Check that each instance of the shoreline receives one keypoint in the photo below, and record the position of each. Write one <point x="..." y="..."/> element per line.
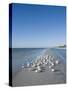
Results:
<point x="28" y="77"/>
<point x="61" y="48"/>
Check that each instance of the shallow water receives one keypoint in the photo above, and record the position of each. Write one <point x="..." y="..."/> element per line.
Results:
<point x="24" y="55"/>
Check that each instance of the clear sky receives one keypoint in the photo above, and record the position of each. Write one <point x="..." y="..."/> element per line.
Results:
<point x="38" y="25"/>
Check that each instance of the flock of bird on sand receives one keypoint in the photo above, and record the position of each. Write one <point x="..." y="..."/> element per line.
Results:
<point x="39" y="65"/>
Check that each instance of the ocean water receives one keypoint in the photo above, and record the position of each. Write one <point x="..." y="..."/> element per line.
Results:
<point x="61" y="53"/>
<point x="24" y="55"/>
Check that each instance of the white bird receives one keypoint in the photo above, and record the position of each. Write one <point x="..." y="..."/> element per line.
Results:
<point x="50" y="66"/>
<point x="51" y="62"/>
<point x="36" y="70"/>
<point x="52" y="58"/>
<point x="52" y="70"/>
<point x="28" y="64"/>
<point x="57" y="62"/>
<point x="46" y="62"/>
<point x="46" y="57"/>
<point x="23" y="66"/>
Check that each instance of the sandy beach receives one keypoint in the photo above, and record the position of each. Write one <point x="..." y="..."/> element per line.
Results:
<point x="28" y="78"/>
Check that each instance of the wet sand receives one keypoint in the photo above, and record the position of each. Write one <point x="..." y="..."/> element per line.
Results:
<point x="29" y="78"/>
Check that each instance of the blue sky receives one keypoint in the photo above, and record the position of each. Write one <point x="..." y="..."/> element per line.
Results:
<point x="38" y="26"/>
